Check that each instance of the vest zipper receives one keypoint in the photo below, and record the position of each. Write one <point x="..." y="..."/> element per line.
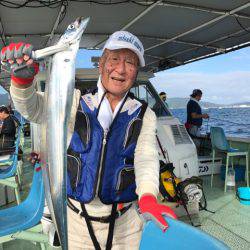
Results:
<point x="103" y="150"/>
<point x="104" y="141"/>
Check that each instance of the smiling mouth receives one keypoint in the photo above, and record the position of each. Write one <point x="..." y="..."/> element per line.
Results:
<point x="118" y="79"/>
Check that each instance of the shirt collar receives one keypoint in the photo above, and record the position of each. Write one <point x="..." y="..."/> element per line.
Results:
<point x="102" y="90"/>
<point x="193" y="99"/>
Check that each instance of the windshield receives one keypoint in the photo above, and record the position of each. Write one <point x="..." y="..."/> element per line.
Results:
<point x="142" y="90"/>
<point x="146" y="92"/>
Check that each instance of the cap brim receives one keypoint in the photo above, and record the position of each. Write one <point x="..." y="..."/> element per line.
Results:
<point x="125" y="46"/>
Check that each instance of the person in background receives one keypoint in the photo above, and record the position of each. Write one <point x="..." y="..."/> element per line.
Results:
<point x="12" y="114"/>
<point x="163" y="97"/>
<point x="7" y="130"/>
<point x="108" y="209"/>
<point x="158" y="107"/>
<point x="194" y="114"/>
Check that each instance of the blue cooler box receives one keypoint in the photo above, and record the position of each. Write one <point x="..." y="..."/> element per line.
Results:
<point x="243" y="194"/>
<point x="239" y="172"/>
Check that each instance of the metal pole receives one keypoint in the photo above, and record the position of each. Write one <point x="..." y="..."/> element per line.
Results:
<point x="200" y="26"/>
<point x="143" y="13"/>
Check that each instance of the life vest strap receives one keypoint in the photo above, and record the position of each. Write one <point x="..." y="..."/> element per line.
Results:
<point x="116" y="212"/>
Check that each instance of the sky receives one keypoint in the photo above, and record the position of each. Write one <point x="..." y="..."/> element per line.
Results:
<point x="223" y="79"/>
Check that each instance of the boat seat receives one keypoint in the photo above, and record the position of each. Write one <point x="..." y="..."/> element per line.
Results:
<point x="179" y="235"/>
<point x="5" y="158"/>
<point x="7" y="170"/>
<point x="220" y="143"/>
<point x="29" y="212"/>
<point x="8" y="176"/>
<point x="10" y="166"/>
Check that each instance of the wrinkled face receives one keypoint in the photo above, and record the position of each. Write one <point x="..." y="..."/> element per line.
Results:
<point x="118" y="69"/>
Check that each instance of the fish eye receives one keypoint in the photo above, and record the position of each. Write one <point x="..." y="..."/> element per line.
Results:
<point x="71" y="26"/>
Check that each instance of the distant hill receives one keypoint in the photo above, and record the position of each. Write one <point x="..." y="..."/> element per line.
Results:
<point x="240" y="104"/>
<point x="178" y="102"/>
<point x="4" y="99"/>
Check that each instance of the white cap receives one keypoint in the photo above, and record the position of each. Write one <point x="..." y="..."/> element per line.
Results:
<point x="125" y="40"/>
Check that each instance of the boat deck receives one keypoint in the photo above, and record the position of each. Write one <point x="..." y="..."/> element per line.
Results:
<point x="230" y="223"/>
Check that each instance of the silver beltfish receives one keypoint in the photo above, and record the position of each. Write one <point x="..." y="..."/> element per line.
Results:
<point x="58" y="101"/>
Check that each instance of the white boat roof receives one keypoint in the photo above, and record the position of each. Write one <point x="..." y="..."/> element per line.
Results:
<point x="173" y="32"/>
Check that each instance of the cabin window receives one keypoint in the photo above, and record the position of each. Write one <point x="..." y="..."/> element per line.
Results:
<point x="144" y="92"/>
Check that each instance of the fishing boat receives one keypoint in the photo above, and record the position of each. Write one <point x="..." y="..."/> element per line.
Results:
<point x="173" y="33"/>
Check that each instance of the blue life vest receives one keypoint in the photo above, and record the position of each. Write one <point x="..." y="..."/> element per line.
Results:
<point x="102" y="163"/>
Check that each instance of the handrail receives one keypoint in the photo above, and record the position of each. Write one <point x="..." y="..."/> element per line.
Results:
<point x="230" y="122"/>
<point x="232" y="138"/>
<point x="238" y="139"/>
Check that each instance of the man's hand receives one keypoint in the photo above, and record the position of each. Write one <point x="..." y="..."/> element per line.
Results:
<point x="151" y="210"/>
<point x="205" y="116"/>
<point x="34" y="158"/>
<point x="16" y="59"/>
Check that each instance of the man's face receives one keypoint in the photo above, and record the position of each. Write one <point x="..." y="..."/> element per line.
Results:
<point x="118" y="69"/>
<point x="1" y="116"/>
<point x="198" y="97"/>
<point x="164" y="98"/>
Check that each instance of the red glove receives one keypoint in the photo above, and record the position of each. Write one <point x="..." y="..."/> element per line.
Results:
<point x="151" y="210"/>
<point x="16" y="56"/>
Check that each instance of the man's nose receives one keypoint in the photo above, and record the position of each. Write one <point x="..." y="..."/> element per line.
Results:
<point x="121" y="66"/>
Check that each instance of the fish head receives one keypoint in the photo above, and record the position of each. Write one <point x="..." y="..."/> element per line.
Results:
<point x="74" y="31"/>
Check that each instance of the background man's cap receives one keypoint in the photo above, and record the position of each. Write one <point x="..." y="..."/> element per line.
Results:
<point x="4" y="109"/>
<point x="126" y="40"/>
<point x="196" y="92"/>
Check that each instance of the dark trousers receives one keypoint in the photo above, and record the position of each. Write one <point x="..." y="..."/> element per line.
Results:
<point x="6" y="145"/>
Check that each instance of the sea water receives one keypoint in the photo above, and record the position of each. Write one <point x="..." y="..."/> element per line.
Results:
<point x="234" y="121"/>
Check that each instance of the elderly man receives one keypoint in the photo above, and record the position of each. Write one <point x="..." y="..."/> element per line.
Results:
<point x="113" y="159"/>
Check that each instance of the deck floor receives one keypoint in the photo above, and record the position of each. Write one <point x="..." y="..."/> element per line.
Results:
<point x="230" y="223"/>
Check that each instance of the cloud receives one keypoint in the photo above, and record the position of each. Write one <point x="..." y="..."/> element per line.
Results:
<point x="224" y="88"/>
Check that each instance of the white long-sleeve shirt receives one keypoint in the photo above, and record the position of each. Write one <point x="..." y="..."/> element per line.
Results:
<point x="30" y="104"/>
<point x="106" y="115"/>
